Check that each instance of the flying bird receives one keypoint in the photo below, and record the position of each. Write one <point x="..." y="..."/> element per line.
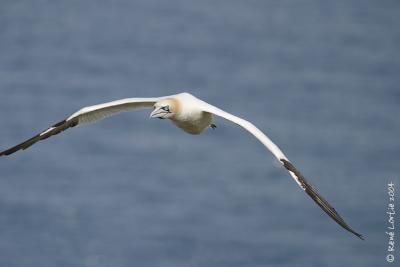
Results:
<point x="193" y="116"/>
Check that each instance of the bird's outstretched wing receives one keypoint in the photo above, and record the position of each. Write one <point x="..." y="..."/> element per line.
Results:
<point x="85" y="115"/>
<point x="297" y="176"/>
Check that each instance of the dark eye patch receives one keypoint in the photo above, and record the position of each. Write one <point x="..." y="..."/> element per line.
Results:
<point x="166" y="108"/>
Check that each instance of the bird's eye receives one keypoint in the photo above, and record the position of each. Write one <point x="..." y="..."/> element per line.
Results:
<point x="166" y="108"/>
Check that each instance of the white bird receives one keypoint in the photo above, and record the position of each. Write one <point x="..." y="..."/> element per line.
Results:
<point x="191" y="115"/>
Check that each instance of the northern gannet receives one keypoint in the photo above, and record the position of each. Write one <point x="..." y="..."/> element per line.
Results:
<point x="191" y="115"/>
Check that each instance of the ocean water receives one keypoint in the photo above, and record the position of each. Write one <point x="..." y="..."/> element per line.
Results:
<point x="320" y="78"/>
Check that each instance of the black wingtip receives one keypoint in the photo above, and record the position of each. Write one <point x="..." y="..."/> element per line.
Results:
<point x="318" y="199"/>
<point x="53" y="130"/>
<point x="360" y="236"/>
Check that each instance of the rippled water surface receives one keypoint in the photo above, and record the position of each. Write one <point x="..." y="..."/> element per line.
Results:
<point x="321" y="79"/>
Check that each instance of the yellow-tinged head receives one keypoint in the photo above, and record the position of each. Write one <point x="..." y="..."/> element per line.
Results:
<point x="166" y="108"/>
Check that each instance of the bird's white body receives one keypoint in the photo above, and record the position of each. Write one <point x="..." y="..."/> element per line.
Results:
<point x="195" y="123"/>
<point x="191" y="118"/>
<point x="191" y="115"/>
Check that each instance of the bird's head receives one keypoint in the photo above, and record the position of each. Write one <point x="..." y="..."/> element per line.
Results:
<point x="165" y="109"/>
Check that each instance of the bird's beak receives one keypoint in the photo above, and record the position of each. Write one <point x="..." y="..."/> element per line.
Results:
<point x="158" y="113"/>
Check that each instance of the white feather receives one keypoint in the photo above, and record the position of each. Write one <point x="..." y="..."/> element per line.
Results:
<point x="101" y="111"/>
<point x="246" y="125"/>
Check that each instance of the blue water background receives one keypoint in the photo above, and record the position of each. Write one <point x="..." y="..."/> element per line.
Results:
<point x="320" y="78"/>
